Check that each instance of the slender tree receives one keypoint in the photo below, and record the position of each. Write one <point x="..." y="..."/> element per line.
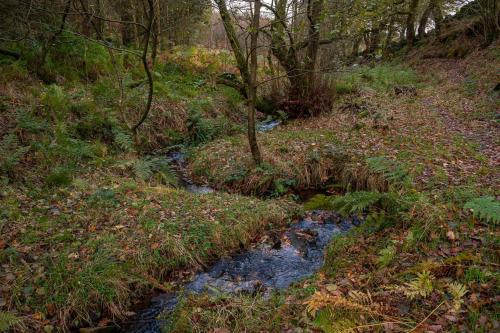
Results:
<point x="248" y="73"/>
<point x="252" y="87"/>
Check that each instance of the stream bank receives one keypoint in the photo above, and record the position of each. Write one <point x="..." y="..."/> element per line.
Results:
<point x="271" y="265"/>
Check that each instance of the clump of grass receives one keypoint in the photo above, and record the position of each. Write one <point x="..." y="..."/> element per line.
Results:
<point x="236" y="313"/>
<point x="60" y="176"/>
<point x="382" y="78"/>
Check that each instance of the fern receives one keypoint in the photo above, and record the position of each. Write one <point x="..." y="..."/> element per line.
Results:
<point x="10" y="153"/>
<point x="386" y="256"/>
<point x="421" y="286"/>
<point x="30" y="123"/>
<point x="7" y="320"/>
<point x="392" y="171"/>
<point x="360" y="297"/>
<point x="163" y="169"/>
<point x="147" y="168"/>
<point x="485" y="208"/>
<point x="56" y="100"/>
<point x="457" y="292"/>
<point x="356" y="202"/>
<point x="200" y="130"/>
<point x="123" y="140"/>
<point x="143" y="169"/>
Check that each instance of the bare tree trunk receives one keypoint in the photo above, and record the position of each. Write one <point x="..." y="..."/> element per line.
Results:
<point x="241" y="60"/>
<point x="390" y="35"/>
<point x="355" y="46"/>
<point x="99" y="24"/>
<point x="252" y="88"/>
<point x="315" y="7"/>
<point x="425" y="18"/>
<point x="437" y="15"/>
<point x="156" y="32"/>
<point x="127" y="30"/>
<point x="134" y="19"/>
<point x="490" y="14"/>
<point x="410" y="22"/>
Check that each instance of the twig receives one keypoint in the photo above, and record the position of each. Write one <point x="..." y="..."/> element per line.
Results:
<point x="425" y="319"/>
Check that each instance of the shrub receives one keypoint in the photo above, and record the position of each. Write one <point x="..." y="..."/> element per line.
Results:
<point x="299" y="103"/>
<point x="56" y="101"/>
<point x="75" y="58"/>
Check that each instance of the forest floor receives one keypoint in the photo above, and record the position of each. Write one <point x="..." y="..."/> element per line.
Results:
<point x="435" y="268"/>
<point x="89" y="226"/>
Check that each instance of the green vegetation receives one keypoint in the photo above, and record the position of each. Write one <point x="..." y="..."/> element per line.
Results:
<point x="95" y="215"/>
<point x="414" y="205"/>
<point x="382" y="78"/>
<point x="486" y="208"/>
<point x="89" y="221"/>
<point x="116" y="234"/>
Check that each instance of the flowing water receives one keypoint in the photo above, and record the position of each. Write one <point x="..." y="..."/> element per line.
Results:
<point x="273" y="264"/>
<point x="268" y="125"/>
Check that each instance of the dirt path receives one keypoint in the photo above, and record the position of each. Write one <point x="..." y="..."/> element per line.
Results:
<point x="464" y="114"/>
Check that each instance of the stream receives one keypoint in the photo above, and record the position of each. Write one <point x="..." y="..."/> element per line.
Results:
<point x="274" y="264"/>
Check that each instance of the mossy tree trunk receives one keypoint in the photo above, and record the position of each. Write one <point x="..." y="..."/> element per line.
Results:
<point x="425" y="18"/>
